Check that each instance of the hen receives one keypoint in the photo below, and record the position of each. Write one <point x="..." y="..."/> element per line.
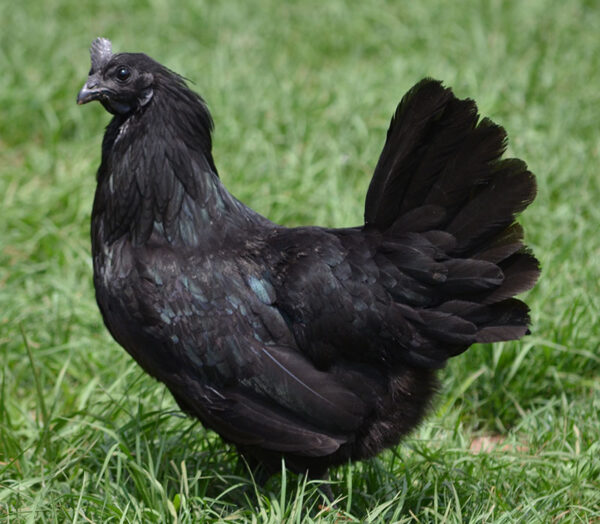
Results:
<point x="313" y="344"/>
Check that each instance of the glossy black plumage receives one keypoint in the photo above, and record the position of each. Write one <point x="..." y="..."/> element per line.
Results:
<point x="316" y="344"/>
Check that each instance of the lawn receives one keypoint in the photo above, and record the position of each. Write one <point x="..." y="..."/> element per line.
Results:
<point x="301" y="94"/>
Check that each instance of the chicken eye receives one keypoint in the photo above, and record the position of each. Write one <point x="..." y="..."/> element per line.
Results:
<point x="123" y="74"/>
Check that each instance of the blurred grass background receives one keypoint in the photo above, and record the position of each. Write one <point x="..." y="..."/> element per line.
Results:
<point x="301" y="94"/>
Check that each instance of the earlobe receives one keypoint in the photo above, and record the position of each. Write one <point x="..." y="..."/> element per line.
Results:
<point x="147" y="92"/>
<point x="146" y="96"/>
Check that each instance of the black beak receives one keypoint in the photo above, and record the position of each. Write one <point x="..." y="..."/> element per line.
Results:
<point x="89" y="92"/>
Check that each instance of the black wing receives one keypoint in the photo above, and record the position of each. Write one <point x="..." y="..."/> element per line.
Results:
<point x="209" y="329"/>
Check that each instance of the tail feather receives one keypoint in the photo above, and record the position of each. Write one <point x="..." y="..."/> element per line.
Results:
<point x="448" y="135"/>
<point x="505" y="320"/>
<point x="494" y="206"/>
<point x="419" y="220"/>
<point x="521" y="272"/>
<point x="503" y="245"/>
<point x="407" y="138"/>
<point x="441" y="176"/>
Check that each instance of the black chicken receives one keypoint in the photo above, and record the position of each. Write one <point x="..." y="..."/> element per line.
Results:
<point x="319" y="345"/>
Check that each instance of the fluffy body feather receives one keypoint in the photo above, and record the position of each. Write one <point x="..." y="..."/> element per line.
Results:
<point x="319" y="345"/>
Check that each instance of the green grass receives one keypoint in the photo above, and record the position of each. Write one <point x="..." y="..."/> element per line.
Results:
<point x="301" y="93"/>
